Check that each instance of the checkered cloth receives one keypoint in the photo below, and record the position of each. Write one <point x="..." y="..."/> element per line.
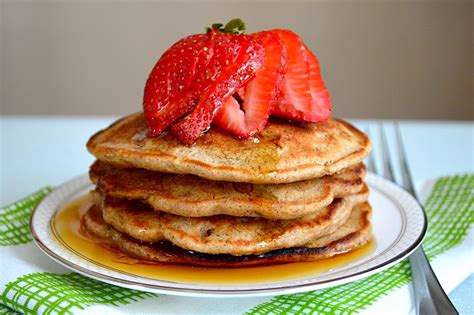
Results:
<point x="31" y="283"/>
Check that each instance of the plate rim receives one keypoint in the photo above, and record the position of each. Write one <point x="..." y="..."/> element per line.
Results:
<point x="223" y="292"/>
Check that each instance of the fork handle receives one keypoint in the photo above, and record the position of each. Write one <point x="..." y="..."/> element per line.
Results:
<point x="429" y="295"/>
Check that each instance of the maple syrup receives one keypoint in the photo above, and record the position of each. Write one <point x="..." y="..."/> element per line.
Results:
<point x="66" y="226"/>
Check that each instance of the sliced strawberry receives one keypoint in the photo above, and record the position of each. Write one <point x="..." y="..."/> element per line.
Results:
<point x="170" y="78"/>
<point x="295" y="98"/>
<point x="241" y="92"/>
<point x="303" y="95"/>
<point x="235" y="81"/>
<point x="232" y="118"/>
<point x="236" y="60"/>
<point x="260" y="93"/>
<point x="321" y="105"/>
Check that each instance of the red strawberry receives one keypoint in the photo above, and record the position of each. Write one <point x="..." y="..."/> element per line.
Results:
<point x="295" y="98"/>
<point x="170" y="79"/>
<point x="321" y="105"/>
<point x="241" y="92"/>
<point x="260" y="94"/>
<point x="232" y="80"/>
<point x="232" y="118"/>
<point x="236" y="60"/>
<point x="303" y="95"/>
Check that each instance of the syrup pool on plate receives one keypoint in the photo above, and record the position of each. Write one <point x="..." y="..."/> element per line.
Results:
<point x="66" y="228"/>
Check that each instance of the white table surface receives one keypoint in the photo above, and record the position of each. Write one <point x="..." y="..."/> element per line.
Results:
<point x="40" y="151"/>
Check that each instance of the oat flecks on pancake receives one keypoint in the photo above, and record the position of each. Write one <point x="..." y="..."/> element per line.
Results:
<point x="224" y="234"/>
<point x="285" y="152"/>
<point x="356" y="232"/>
<point x="193" y="196"/>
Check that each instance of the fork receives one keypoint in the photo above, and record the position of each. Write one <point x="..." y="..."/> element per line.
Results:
<point x="430" y="297"/>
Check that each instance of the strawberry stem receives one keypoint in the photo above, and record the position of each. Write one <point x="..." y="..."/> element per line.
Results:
<point x="234" y="26"/>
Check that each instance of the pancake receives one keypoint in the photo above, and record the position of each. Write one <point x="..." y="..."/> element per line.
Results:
<point x="356" y="232"/>
<point x="284" y="152"/>
<point x="193" y="196"/>
<point x="224" y="234"/>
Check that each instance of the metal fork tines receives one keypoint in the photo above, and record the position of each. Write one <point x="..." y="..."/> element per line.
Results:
<point x="428" y="293"/>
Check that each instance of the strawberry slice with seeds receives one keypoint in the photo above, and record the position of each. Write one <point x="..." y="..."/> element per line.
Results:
<point x="321" y="105"/>
<point x="303" y="95"/>
<point x="232" y="118"/>
<point x="295" y="97"/>
<point x="260" y="94"/>
<point x="170" y="78"/>
<point x="237" y="58"/>
<point x="235" y="81"/>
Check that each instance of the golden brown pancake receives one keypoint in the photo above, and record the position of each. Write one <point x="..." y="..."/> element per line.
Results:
<point x="223" y="234"/>
<point x="193" y="196"/>
<point x="284" y="152"/>
<point x="356" y="232"/>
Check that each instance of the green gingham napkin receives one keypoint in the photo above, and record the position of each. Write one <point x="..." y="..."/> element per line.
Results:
<point x="31" y="283"/>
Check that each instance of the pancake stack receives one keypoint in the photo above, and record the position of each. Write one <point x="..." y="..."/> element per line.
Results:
<point x="296" y="193"/>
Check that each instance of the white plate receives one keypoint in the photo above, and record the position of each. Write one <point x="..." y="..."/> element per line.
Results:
<point x="398" y="221"/>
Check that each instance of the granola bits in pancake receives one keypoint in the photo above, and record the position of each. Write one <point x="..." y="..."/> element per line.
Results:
<point x="284" y="152"/>
<point x="354" y="233"/>
<point x="224" y="234"/>
<point x="193" y="196"/>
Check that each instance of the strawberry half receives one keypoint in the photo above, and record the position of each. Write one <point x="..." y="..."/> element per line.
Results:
<point x="236" y="60"/>
<point x="303" y="95"/>
<point x="170" y="80"/>
<point x="260" y="94"/>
